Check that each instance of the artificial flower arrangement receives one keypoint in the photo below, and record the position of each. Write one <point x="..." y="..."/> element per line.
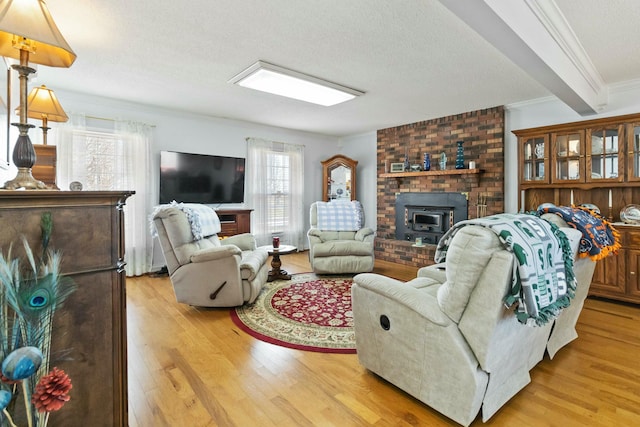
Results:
<point x="29" y="297"/>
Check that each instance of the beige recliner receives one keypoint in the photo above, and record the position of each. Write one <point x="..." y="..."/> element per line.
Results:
<point x="343" y="248"/>
<point x="446" y="336"/>
<point x="207" y="271"/>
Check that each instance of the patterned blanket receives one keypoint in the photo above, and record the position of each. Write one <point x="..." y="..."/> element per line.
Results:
<point x="203" y="220"/>
<point x="543" y="282"/>
<point x="339" y="215"/>
<point x="599" y="238"/>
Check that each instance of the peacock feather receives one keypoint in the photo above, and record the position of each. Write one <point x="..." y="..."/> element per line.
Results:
<point x="46" y="225"/>
<point x="30" y="292"/>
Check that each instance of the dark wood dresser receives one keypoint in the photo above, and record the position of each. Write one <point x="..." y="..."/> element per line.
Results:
<point x="89" y="341"/>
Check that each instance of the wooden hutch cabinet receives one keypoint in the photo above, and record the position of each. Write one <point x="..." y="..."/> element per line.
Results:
<point x="593" y="161"/>
<point x="89" y="338"/>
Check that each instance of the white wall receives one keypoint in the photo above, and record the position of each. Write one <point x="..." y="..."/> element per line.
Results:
<point x="363" y="148"/>
<point x="623" y="99"/>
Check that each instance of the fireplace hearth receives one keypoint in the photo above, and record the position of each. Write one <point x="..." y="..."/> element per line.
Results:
<point x="428" y="215"/>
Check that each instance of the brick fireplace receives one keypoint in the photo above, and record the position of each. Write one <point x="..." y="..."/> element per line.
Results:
<point x="482" y="133"/>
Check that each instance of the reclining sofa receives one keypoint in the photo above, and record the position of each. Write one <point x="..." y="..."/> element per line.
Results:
<point x="447" y="338"/>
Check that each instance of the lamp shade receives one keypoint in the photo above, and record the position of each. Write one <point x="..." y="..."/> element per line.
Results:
<point x="28" y="23"/>
<point x="43" y="103"/>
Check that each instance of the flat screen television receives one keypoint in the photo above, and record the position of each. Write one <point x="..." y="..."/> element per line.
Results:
<point x="201" y="178"/>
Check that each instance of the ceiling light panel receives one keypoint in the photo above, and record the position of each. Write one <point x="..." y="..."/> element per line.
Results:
<point x="292" y="84"/>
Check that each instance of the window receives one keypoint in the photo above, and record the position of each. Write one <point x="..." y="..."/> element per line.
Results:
<point x="100" y="154"/>
<point x="278" y="181"/>
<point x="275" y="182"/>
<point x="113" y="159"/>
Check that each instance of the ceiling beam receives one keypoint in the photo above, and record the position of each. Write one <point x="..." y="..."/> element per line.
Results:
<point x="535" y="35"/>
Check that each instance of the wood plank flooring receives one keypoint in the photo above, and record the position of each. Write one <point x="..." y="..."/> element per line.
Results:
<point x="193" y="367"/>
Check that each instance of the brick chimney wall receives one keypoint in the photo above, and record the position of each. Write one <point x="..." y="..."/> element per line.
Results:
<point x="483" y="135"/>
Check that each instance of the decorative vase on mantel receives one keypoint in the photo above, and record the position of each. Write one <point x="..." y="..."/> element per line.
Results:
<point x="443" y="161"/>
<point x="460" y="156"/>
<point x="426" y="164"/>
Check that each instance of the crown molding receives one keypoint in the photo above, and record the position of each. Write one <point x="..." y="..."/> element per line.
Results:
<point x="554" y="21"/>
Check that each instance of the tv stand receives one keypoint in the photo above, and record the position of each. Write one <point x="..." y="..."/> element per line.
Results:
<point x="234" y="221"/>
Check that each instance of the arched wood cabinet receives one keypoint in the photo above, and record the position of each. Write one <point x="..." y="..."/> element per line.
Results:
<point x="339" y="178"/>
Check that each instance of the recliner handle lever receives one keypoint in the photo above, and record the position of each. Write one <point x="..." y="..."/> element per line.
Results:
<point x="214" y="294"/>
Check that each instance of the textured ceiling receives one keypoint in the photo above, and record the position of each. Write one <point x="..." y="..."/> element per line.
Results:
<point x="414" y="59"/>
<point x="610" y="34"/>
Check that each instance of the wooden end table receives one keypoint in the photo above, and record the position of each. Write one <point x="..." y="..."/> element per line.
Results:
<point x="276" y="272"/>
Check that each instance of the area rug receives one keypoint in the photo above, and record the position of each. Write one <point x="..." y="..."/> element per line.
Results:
<point x="308" y="312"/>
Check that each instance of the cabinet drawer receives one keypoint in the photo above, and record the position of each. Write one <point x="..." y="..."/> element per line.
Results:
<point x="228" y="228"/>
<point x="630" y="238"/>
<point x="84" y="234"/>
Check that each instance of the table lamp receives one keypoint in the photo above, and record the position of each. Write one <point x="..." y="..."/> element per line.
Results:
<point x="28" y="33"/>
<point x="43" y="104"/>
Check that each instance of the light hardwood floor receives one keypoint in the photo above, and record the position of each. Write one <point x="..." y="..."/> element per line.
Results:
<point x="193" y="367"/>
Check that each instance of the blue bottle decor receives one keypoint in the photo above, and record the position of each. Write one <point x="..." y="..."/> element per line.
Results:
<point x="426" y="164"/>
<point x="460" y="156"/>
<point x="443" y="161"/>
<point x="407" y="166"/>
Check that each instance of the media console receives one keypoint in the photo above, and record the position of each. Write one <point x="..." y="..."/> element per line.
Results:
<point x="234" y="221"/>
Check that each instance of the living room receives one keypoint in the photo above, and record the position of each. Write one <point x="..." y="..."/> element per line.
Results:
<point x="178" y="126"/>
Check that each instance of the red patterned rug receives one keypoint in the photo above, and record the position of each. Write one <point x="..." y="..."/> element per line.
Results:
<point x="307" y="313"/>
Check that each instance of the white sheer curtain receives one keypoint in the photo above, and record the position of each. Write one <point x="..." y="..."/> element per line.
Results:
<point x="275" y="186"/>
<point x="111" y="159"/>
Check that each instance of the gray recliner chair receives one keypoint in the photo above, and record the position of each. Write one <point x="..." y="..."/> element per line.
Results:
<point x="340" y="248"/>
<point x="205" y="270"/>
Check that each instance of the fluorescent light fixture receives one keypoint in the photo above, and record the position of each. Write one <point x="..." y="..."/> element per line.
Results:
<point x="292" y="84"/>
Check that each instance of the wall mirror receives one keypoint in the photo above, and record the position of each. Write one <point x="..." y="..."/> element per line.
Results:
<point x="339" y="178"/>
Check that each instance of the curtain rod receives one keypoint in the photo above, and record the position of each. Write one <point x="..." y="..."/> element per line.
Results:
<point x="272" y="142"/>
<point x="111" y="120"/>
<point x="100" y="118"/>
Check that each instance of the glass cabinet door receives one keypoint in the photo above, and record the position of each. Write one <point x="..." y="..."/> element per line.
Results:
<point x="605" y="151"/>
<point x="634" y="152"/>
<point x="534" y="157"/>
<point x="568" y="153"/>
<point x="340" y="183"/>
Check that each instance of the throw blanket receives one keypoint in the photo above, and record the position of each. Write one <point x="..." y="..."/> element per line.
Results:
<point x="203" y="220"/>
<point x="599" y="238"/>
<point x="543" y="281"/>
<point x="339" y="215"/>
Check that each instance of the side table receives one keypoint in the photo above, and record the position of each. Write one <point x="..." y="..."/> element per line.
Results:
<point x="276" y="272"/>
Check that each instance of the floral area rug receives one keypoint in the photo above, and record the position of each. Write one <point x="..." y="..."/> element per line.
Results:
<point x="308" y="312"/>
